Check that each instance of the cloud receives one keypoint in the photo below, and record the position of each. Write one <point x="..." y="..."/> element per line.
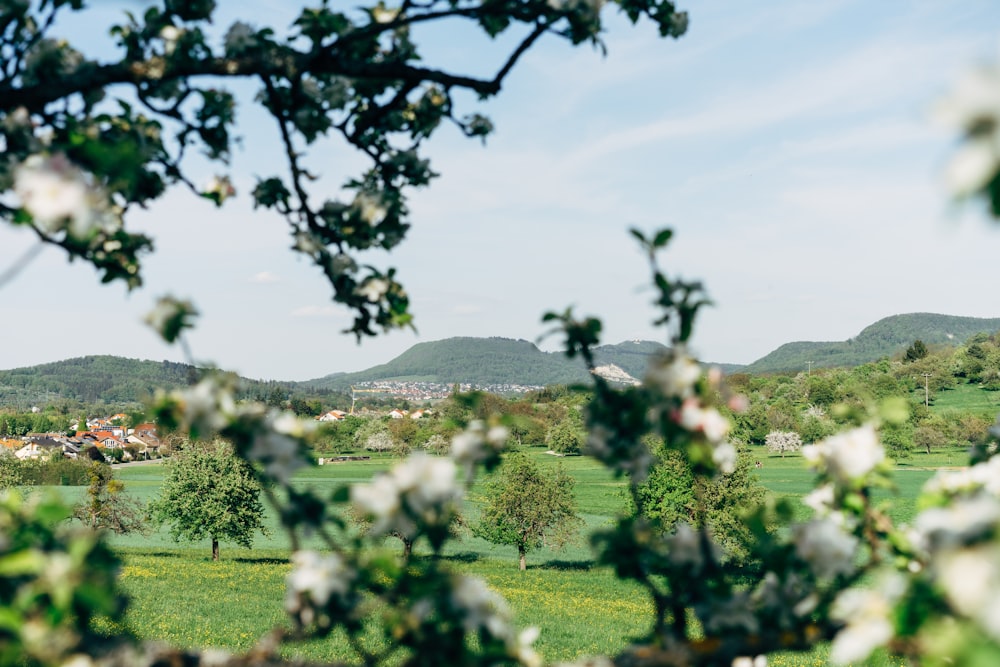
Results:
<point x="265" y="278"/>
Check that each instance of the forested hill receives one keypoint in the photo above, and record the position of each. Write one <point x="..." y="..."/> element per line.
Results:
<point x="473" y="360"/>
<point x="102" y="379"/>
<point x="885" y="338"/>
<point x="486" y="361"/>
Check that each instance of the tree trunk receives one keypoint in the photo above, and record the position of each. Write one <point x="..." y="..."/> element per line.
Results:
<point x="521" y="560"/>
<point x="407" y="549"/>
<point x="215" y="549"/>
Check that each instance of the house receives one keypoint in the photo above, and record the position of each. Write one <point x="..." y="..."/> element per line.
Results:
<point x="332" y="416"/>
<point x="398" y="414"/>
<point x="40" y="448"/>
<point x="108" y="440"/>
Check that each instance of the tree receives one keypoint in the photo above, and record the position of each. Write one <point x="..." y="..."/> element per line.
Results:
<point x="916" y="351"/>
<point x="107" y="506"/>
<point x="565" y="437"/>
<point x="10" y="469"/>
<point x="783" y="441"/>
<point x="673" y="494"/>
<point x="527" y="508"/>
<point x="210" y="493"/>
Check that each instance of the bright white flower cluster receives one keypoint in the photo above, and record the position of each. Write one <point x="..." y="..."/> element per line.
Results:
<point x="826" y="547"/>
<point x="373" y="289"/>
<point x="60" y="197"/>
<point x="421" y="488"/>
<point x="985" y="476"/>
<point x="867" y="614"/>
<point x="748" y="661"/>
<point x="973" y="108"/>
<point x="674" y="374"/>
<point x="314" y="580"/>
<point x="207" y="407"/>
<point x="477" y="444"/>
<point x="848" y="456"/>
<point x="483" y="609"/>
<point x="219" y="189"/>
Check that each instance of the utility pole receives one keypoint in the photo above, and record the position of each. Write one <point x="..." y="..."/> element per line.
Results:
<point x="927" y="397"/>
<point x="810" y="371"/>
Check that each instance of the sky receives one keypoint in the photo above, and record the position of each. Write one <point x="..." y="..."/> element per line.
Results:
<point x="790" y="146"/>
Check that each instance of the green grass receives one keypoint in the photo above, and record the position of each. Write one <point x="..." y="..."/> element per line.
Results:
<point x="966" y="398"/>
<point x="181" y="597"/>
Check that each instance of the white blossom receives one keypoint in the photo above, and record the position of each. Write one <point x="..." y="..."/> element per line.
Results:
<point x="675" y="374"/>
<point x="963" y="520"/>
<point x="847" y="456"/>
<point x="219" y="188"/>
<point x="985" y="476"/>
<point x="481" y="607"/>
<point x="868" y="625"/>
<point x="170" y="36"/>
<point x="371" y="209"/>
<point x="314" y="579"/>
<point x="820" y="499"/>
<point x="725" y="457"/>
<point x="373" y="289"/>
<point x="974" y="108"/>
<point x="705" y="420"/>
<point x="54" y="193"/>
<point x="747" y="661"/>
<point x="207" y="407"/>
<point x="823" y="544"/>
<point x="420" y="488"/>
<point x="169" y="316"/>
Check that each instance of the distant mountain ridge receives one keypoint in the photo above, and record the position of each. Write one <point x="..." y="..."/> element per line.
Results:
<point x="885" y="338"/>
<point x="494" y="361"/>
<point x="482" y="361"/>
<point x="103" y="379"/>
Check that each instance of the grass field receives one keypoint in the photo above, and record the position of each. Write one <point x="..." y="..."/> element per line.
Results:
<point x="180" y="596"/>
<point x="966" y="398"/>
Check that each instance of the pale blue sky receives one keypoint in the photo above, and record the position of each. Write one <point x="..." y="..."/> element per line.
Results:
<point x="789" y="145"/>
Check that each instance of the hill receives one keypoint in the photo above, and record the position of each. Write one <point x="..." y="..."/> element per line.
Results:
<point x="885" y="338"/>
<point x="492" y="361"/>
<point x="104" y="379"/>
<point x="479" y="361"/>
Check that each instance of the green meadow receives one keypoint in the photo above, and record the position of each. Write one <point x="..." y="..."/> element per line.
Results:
<point x="180" y="596"/>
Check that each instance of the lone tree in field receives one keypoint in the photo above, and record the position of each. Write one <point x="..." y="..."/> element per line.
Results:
<point x="783" y="441"/>
<point x="210" y="494"/>
<point x="527" y="508"/>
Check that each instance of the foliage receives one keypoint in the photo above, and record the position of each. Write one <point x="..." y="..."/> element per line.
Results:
<point x="673" y="495"/>
<point x="55" y="472"/>
<point x="885" y="338"/>
<point x="916" y="351"/>
<point x="526" y="508"/>
<point x="55" y="581"/>
<point x="780" y="442"/>
<point x="10" y="470"/>
<point x="565" y="437"/>
<point x="210" y="494"/>
<point x="107" y="507"/>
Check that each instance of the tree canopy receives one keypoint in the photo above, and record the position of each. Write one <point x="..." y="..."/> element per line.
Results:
<point x="209" y="493"/>
<point x="527" y="507"/>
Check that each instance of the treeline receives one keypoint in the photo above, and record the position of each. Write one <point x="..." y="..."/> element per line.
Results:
<point x="110" y="384"/>
<point x="552" y="418"/>
<point x="885" y="338"/>
<point x="818" y="403"/>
